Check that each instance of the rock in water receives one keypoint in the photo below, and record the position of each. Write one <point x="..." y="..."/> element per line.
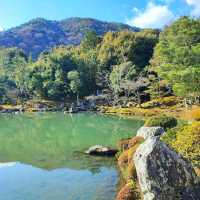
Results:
<point x="163" y="174"/>
<point x="147" y="132"/>
<point x="99" y="150"/>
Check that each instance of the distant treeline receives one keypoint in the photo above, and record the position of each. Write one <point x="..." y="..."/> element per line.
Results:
<point x="115" y="62"/>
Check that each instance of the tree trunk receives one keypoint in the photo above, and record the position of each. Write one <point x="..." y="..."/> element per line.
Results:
<point x="77" y="100"/>
<point x="185" y="102"/>
<point x="139" y="99"/>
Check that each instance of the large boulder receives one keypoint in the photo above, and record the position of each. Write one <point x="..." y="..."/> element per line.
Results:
<point x="163" y="174"/>
<point x="147" y="132"/>
<point x="99" y="150"/>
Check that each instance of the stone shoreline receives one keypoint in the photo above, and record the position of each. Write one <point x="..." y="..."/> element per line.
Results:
<point x="147" y="175"/>
<point x="153" y="171"/>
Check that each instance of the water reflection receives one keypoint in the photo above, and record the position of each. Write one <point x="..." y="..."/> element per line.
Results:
<point x="23" y="182"/>
<point x="8" y="164"/>
<point x="52" y="141"/>
<point x="41" y="156"/>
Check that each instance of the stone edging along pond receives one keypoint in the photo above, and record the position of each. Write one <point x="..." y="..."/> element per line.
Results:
<point x="153" y="171"/>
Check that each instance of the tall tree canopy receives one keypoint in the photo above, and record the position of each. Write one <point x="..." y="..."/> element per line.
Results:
<point x="67" y="70"/>
<point x="177" y="56"/>
<point x="121" y="47"/>
<point x="13" y="71"/>
<point x="121" y="74"/>
<point x="48" y="77"/>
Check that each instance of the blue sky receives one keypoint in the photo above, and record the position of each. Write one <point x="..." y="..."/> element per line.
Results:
<point x="141" y="13"/>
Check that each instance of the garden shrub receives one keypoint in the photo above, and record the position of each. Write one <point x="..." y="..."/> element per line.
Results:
<point x="163" y="121"/>
<point x="123" y="159"/>
<point x="162" y="102"/>
<point x="125" y="162"/>
<point x="170" y="136"/>
<point x="197" y="170"/>
<point x="128" y="192"/>
<point x="187" y="142"/>
<point x="126" y="144"/>
<point x="196" y="114"/>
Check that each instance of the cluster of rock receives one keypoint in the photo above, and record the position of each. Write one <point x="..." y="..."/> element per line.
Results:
<point x="11" y="110"/>
<point x="99" y="150"/>
<point x="162" y="173"/>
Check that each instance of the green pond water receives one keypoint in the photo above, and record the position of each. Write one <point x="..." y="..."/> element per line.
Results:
<point x="41" y="156"/>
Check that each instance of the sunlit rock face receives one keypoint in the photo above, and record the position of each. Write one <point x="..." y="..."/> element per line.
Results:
<point x="147" y="132"/>
<point x="163" y="174"/>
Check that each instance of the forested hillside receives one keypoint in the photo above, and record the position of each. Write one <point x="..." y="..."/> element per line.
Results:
<point x="39" y="34"/>
<point x="68" y="70"/>
<point x="128" y="66"/>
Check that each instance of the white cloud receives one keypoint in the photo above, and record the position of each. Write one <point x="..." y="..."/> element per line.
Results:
<point x="153" y="16"/>
<point x="1" y="29"/>
<point x="195" y="4"/>
<point x="135" y="9"/>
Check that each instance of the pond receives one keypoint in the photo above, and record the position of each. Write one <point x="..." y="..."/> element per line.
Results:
<point x="41" y="155"/>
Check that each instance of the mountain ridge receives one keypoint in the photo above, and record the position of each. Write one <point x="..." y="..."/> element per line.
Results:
<point x="40" y="34"/>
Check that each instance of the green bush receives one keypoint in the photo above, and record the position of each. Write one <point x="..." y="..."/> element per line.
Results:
<point x="171" y="134"/>
<point x="186" y="141"/>
<point x="162" y="121"/>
